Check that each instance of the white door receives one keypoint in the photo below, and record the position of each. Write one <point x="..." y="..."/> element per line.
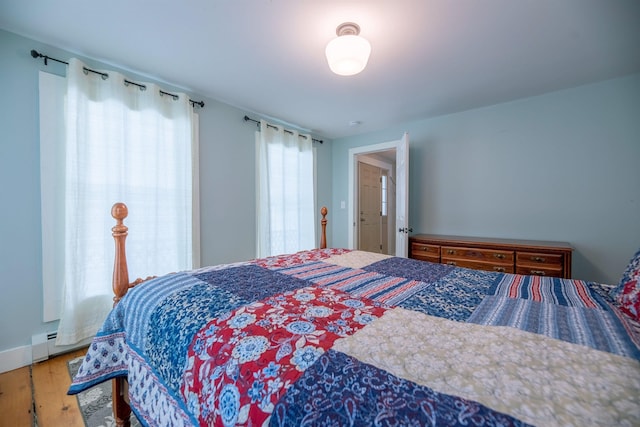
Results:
<point x="402" y="229"/>
<point x="402" y="197"/>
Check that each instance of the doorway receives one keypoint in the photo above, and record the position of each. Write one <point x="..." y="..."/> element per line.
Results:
<point x="376" y="202"/>
<point x="395" y="154"/>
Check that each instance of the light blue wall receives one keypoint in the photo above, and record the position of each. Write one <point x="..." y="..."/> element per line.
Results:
<point x="227" y="181"/>
<point x="563" y="166"/>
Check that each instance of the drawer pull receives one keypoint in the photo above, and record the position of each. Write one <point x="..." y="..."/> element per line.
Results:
<point x="499" y="256"/>
<point x="451" y="252"/>
<point x="499" y="269"/>
<point x="538" y="272"/>
<point x="538" y="259"/>
<point x="451" y="263"/>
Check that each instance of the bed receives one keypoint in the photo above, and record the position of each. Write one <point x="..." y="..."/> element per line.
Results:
<point x="337" y="337"/>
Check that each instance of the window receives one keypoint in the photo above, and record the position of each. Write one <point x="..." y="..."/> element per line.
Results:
<point x="383" y="188"/>
<point x="124" y="144"/>
<point x="285" y="191"/>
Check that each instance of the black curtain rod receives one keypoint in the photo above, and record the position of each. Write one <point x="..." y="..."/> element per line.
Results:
<point x="36" y="54"/>
<point x="290" y="132"/>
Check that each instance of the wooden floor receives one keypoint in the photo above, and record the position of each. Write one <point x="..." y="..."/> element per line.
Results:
<point x="36" y="395"/>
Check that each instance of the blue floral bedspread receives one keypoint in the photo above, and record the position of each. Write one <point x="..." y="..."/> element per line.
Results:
<point x="255" y="343"/>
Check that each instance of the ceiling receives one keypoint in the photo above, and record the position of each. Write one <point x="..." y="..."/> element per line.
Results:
<point x="429" y="57"/>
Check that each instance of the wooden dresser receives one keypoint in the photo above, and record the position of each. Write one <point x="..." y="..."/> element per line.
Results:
<point x="530" y="257"/>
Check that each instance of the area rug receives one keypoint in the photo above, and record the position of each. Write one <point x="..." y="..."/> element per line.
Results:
<point x="95" y="403"/>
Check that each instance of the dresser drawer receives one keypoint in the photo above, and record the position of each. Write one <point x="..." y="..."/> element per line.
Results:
<point x="425" y="252"/>
<point x="476" y="254"/>
<point x="541" y="270"/>
<point x="478" y="265"/>
<point x="539" y="259"/>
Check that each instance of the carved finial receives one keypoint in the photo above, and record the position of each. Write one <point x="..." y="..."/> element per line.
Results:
<point x="119" y="212"/>
<point x="324" y="211"/>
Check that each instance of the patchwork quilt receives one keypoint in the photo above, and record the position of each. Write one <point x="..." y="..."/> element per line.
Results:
<point x="335" y="337"/>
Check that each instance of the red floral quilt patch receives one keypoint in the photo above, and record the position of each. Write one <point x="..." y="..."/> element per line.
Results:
<point x="226" y="384"/>
<point x="282" y="261"/>
<point x="629" y="299"/>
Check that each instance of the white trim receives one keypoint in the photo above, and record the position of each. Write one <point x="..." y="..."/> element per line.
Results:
<point x="15" y="358"/>
<point x="18" y="357"/>
<point x="316" y="209"/>
<point x="195" y="202"/>
<point x="52" y="90"/>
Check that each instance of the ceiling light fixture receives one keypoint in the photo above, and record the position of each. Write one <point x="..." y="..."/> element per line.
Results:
<point x="348" y="53"/>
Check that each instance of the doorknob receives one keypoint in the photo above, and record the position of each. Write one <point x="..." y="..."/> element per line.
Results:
<point x="405" y="230"/>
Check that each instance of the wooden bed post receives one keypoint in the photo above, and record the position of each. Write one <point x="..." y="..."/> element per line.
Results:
<point x="323" y="236"/>
<point x="120" y="284"/>
<point x="119" y="211"/>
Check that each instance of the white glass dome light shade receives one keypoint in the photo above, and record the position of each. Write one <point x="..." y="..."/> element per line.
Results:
<point x="348" y="53"/>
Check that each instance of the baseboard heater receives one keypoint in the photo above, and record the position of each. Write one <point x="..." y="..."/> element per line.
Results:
<point x="44" y="346"/>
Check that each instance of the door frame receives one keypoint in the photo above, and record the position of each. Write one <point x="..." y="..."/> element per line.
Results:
<point x="353" y="180"/>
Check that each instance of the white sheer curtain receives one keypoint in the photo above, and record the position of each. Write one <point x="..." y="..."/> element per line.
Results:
<point x="285" y="191"/>
<point x="125" y="144"/>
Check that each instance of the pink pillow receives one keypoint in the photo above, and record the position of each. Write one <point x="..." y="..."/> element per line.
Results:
<point x="629" y="298"/>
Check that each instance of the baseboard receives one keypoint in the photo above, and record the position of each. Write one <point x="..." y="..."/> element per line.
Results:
<point x="18" y="357"/>
<point x="54" y="349"/>
<point x="15" y="358"/>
